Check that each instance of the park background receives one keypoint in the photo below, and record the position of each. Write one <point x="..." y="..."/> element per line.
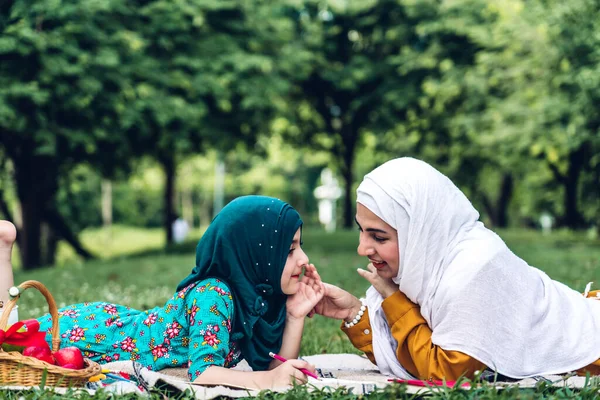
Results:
<point x="126" y="112"/>
<point x="117" y="116"/>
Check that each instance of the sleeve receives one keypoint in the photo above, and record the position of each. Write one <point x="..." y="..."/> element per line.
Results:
<point x="209" y="309"/>
<point x="360" y="336"/>
<point x="415" y="351"/>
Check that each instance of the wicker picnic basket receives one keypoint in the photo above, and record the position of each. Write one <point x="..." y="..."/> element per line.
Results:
<point x="17" y="369"/>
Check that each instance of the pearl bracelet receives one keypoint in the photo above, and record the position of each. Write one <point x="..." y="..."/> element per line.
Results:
<point x="362" y="310"/>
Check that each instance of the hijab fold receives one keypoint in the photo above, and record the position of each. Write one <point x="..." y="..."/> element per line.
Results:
<point x="475" y="294"/>
<point x="246" y="245"/>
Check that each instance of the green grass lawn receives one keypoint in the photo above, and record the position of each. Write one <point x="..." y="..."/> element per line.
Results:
<point x="134" y="270"/>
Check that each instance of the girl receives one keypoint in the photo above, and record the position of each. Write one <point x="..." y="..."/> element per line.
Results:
<point x="448" y="297"/>
<point x="244" y="299"/>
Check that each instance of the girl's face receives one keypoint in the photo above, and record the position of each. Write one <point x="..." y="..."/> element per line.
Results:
<point x="378" y="241"/>
<point x="296" y="261"/>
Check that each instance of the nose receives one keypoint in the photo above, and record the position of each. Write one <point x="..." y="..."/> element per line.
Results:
<point x="364" y="249"/>
<point x="303" y="258"/>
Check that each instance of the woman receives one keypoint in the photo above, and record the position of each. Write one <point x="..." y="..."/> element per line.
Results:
<point x="244" y="299"/>
<point x="448" y="298"/>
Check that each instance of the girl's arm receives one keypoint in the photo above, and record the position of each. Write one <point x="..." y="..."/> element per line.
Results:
<point x="207" y="309"/>
<point x="299" y="305"/>
<point x="281" y="376"/>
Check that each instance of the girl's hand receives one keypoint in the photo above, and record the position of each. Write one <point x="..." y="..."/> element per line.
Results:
<point x="289" y="373"/>
<point x="310" y="292"/>
<point x="337" y="303"/>
<point x="385" y="287"/>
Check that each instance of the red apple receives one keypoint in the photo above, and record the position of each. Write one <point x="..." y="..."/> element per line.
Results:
<point x="69" y="357"/>
<point x="41" y="353"/>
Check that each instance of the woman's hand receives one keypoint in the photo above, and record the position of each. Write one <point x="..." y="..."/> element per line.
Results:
<point x="337" y="303"/>
<point x="289" y="373"/>
<point x="385" y="287"/>
<point x="310" y="292"/>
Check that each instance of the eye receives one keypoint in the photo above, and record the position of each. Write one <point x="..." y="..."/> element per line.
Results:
<point x="379" y="239"/>
<point x="291" y="250"/>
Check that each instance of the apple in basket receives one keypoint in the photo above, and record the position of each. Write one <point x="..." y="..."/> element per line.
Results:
<point x="69" y="357"/>
<point x="41" y="353"/>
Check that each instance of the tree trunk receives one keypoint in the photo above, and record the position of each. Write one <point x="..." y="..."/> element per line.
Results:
<point x="573" y="218"/>
<point x="30" y="244"/>
<point x="36" y="183"/>
<point x="49" y="242"/>
<point x="107" y="215"/>
<point x="506" y="189"/>
<point x="348" y="176"/>
<point x="169" y="167"/>
<point x="187" y="207"/>
<point x="61" y="228"/>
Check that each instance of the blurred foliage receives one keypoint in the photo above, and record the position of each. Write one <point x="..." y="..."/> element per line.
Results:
<point x="500" y="96"/>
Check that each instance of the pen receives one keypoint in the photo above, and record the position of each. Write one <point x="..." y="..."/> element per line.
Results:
<point x="304" y="370"/>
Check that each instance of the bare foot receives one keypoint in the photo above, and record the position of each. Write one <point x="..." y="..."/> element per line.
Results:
<point x="8" y="235"/>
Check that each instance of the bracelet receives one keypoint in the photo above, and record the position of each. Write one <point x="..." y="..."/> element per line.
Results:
<point x="362" y="310"/>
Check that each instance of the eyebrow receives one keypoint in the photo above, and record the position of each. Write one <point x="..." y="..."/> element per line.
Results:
<point x="370" y="229"/>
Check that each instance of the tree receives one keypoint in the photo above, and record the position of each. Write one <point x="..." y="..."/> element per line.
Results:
<point x="61" y="94"/>
<point x="537" y="73"/>
<point x="208" y="82"/>
<point x="351" y="82"/>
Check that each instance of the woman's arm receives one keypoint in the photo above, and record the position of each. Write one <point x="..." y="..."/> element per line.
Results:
<point x="415" y="351"/>
<point x="361" y="336"/>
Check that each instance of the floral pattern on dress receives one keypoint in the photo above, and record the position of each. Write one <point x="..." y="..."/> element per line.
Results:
<point x="193" y="329"/>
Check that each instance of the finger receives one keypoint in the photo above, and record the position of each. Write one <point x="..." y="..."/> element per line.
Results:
<point x="330" y="289"/>
<point x="307" y="280"/>
<point x="310" y="268"/>
<point x="321" y="288"/>
<point x="367" y="275"/>
<point x="299" y="364"/>
<point x="316" y="276"/>
<point x="371" y="268"/>
<point x="300" y="377"/>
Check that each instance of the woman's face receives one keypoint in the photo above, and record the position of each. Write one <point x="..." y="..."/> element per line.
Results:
<point x="296" y="261"/>
<point x="379" y="242"/>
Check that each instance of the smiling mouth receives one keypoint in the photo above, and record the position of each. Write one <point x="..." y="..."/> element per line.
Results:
<point x="378" y="265"/>
<point x="296" y="276"/>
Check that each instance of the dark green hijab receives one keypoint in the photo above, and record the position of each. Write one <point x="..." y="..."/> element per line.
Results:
<point x="247" y="245"/>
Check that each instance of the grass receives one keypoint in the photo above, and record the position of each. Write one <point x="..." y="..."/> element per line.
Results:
<point x="133" y="269"/>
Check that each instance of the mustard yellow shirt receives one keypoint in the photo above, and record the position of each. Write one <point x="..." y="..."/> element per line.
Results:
<point x="417" y="354"/>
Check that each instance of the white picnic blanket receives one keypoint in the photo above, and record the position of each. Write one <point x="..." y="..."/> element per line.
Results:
<point x="350" y="371"/>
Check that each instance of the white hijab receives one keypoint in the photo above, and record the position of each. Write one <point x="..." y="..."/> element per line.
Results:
<point x="475" y="294"/>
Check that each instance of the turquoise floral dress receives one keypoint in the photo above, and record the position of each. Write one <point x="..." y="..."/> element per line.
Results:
<point x="193" y="329"/>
